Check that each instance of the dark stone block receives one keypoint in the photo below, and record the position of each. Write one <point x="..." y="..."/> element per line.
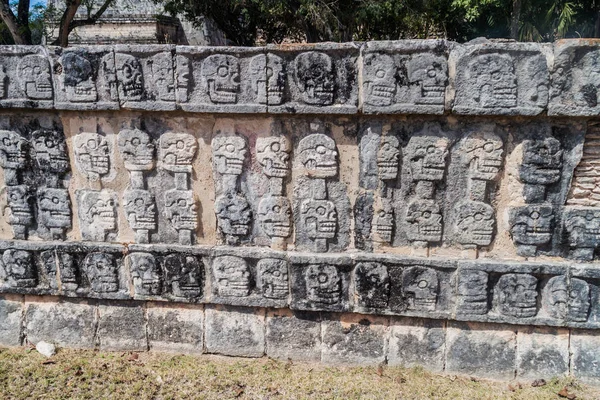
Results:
<point x="417" y="342"/>
<point x="295" y="335"/>
<point x="122" y="327"/>
<point x="542" y="352"/>
<point x="235" y="331"/>
<point x="585" y="361"/>
<point x="11" y="310"/>
<point x="175" y="328"/>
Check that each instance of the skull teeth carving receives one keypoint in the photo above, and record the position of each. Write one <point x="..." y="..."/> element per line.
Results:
<point x="567" y="300"/>
<point x="136" y="149"/>
<point x="532" y="225"/>
<point x="273" y="278"/>
<point x="495" y="80"/>
<point x="234" y="214"/>
<point x="380" y="71"/>
<point x="222" y="76"/>
<point x="472" y="291"/>
<point x="323" y="284"/>
<point x="35" y="77"/>
<point x="181" y="209"/>
<point x="19" y="203"/>
<point x="315" y="78"/>
<point x="319" y="218"/>
<point x="177" y="150"/>
<point x="273" y="154"/>
<point x="13" y="150"/>
<point x="425" y="221"/>
<point x="78" y="78"/>
<point x="317" y="154"/>
<point x="483" y="154"/>
<point x="51" y="151"/>
<point x="420" y="287"/>
<point x="430" y="73"/>
<point x="475" y="223"/>
<point x="145" y="274"/>
<point x="130" y="77"/>
<point x="229" y="153"/>
<point x="517" y="295"/>
<point x="140" y="209"/>
<point x="583" y="227"/>
<point x="101" y="272"/>
<point x="427" y="156"/>
<point x="18" y="269"/>
<point x="232" y="276"/>
<point x="275" y="215"/>
<point x="92" y="154"/>
<point x="54" y="207"/>
<point x="185" y="274"/>
<point x="387" y="157"/>
<point x="542" y="161"/>
<point x="268" y="78"/>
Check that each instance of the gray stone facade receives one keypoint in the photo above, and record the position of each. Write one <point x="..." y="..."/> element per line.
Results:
<point x="414" y="202"/>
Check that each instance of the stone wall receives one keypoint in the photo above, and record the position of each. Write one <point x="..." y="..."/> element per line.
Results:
<point x="412" y="202"/>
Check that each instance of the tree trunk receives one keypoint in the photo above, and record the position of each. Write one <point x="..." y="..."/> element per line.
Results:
<point x="514" y="20"/>
<point x="12" y="24"/>
<point x="597" y="27"/>
<point x="23" y="18"/>
<point x="65" y="22"/>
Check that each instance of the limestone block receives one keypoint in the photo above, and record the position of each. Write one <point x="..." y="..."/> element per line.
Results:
<point x="408" y="76"/>
<point x="293" y="335"/>
<point x="122" y="327"/>
<point x="11" y="314"/>
<point x="64" y="324"/>
<point x="542" y="352"/>
<point x="175" y="328"/>
<point x="481" y="350"/>
<point x="235" y="331"/>
<point x="355" y="339"/>
<point x="417" y="342"/>
<point x="585" y="361"/>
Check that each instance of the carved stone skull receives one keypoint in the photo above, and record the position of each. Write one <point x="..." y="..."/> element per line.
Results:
<point x="430" y="74"/>
<point x="424" y="220"/>
<point x="234" y="215"/>
<point x="232" y="276"/>
<point x="420" y="288"/>
<point x="101" y="272"/>
<point x="587" y="94"/>
<point x="183" y="74"/>
<point x="54" y="208"/>
<point x="78" y="78"/>
<point x="475" y="223"/>
<point x="493" y="76"/>
<point x="140" y="209"/>
<point x="162" y="73"/>
<point x="583" y="227"/>
<point x="229" y="153"/>
<point x="427" y="157"/>
<point x="181" y="209"/>
<point x="19" y="204"/>
<point x="130" y="77"/>
<point x="323" y="284"/>
<point x="275" y="216"/>
<point x="387" y="157"/>
<point x="137" y="149"/>
<point x="317" y="155"/>
<point x="145" y="274"/>
<point x="472" y="291"/>
<point x="268" y="78"/>
<point x="379" y="79"/>
<point x="98" y="211"/>
<point x="68" y="271"/>
<point x="13" y="150"/>
<point x="315" y="78"/>
<point x="177" y="150"/>
<point x="19" y="269"/>
<point x="482" y="152"/>
<point x="3" y="80"/>
<point x="273" y="154"/>
<point x="532" y="225"/>
<point x="319" y="218"/>
<point x="372" y="284"/>
<point x="564" y="303"/>
<point x="273" y="278"/>
<point x="92" y="154"/>
<point x="516" y="295"/>
<point x="51" y="151"/>
<point x="221" y="74"/>
<point x="384" y="222"/>
<point x="542" y="161"/>
<point x="34" y="74"/>
<point x="185" y="274"/>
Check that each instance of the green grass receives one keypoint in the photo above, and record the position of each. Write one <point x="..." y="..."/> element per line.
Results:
<point x="72" y="374"/>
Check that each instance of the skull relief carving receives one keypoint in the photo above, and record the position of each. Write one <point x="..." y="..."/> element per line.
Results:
<point x="18" y="269"/>
<point x="130" y="77"/>
<point x="78" y="78"/>
<point x="97" y="210"/>
<point x="183" y="78"/>
<point x="13" y="150"/>
<point x="567" y="303"/>
<point x="19" y="204"/>
<point x="483" y="154"/>
<point x="317" y="154"/>
<point x="475" y="223"/>
<point x="427" y="156"/>
<point x="162" y="73"/>
<point x="140" y="209"/>
<point x="234" y="216"/>
<point x="275" y="216"/>
<point x="232" y="276"/>
<point x="51" y="151"/>
<point x="315" y="78"/>
<point x="372" y="284"/>
<point x="59" y="264"/>
<point x="273" y="154"/>
<point x="92" y="154"/>
<point x="323" y="284"/>
<point x="273" y="278"/>
<point x="495" y="81"/>
<point x="145" y="274"/>
<point x="137" y="149"/>
<point x="516" y="295"/>
<point x="319" y="218"/>
<point x="472" y="291"/>
<point x="587" y="93"/>
<point x="424" y="220"/>
<point x="185" y="274"/>
<point x="379" y="83"/>
<point x="54" y="208"/>
<point x="583" y="227"/>
<point x="181" y="209"/>
<point x="384" y="222"/>
<point x="34" y="73"/>
<point x="229" y="153"/>
<point x="101" y="272"/>
<point x="420" y="288"/>
<point x="532" y="225"/>
<point x="268" y="78"/>
<point x="430" y="74"/>
<point x="177" y="150"/>
<point x="542" y="161"/>
<point x="387" y="157"/>
<point x="221" y="74"/>
<point x="3" y="82"/>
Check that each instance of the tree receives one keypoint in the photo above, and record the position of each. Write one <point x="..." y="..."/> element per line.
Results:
<point x="19" y="17"/>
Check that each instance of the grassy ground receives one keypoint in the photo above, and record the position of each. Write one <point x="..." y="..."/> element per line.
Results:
<point x="25" y="374"/>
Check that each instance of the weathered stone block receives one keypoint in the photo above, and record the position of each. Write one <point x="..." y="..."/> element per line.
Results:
<point x="585" y="361"/>
<point x="64" y="324"/>
<point x="122" y="327"/>
<point x="235" y="331"/>
<point x="355" y="339"/>
<point x="542" y="352"/>
<point x="417" y="342"/>
<point x="294" y="335"/>
<point x="175" y="328"/>
<point x="11" y="315"/>
<point x="481" y="349"/>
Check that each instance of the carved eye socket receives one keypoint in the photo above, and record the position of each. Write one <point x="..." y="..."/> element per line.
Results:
<point x="431" y="149"/>
<point x="91" y="144"/>
<point x="277" y="273"/>
<point x="496" y="76"/>
<point x="380" y="73"/>
<point x="426" y="214"/>
<point x="49" y="143"/>
<point x="432" y="73"/>
<point x="222" y="71"/>
<point x="275" y="146"/>
<point x="180" y="144"/>
<point x="423" y="284"/>
<point x="382" y="213"/>
<point x="385" y="147"/>
<point x="535" y="215"/>
<point x="478" y="216"/>
<point x="136" y="141"/>
<point x="6" y="141"/>
<point x="181" y="202"/>
<point x="589" y="217"/>
<point x="269" y="71"/>
<point x="55" y="200"/>
<point x="321" y="210"/>
<point x="110" y="203"/>
<point x="139" y="202"/>
<point x="321" y="149"/>
<point x="488" y="147"/>
<point x="13" y="196"/>
<point x="229" y="148"/>
<point x="544" y="151"/>
<point x="277" y="209"/>
<point x="37" y="70"/>
<point x="322" y="278"/>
